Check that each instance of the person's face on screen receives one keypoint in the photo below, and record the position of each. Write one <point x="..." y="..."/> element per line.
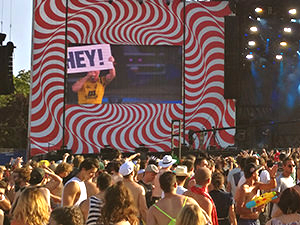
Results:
<point x="93" y="75"/>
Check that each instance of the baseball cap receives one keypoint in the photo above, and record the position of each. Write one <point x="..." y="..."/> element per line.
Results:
<point x="37" y="175"/>
<point x="250" y="169"/>
<point x="152" y="168"/>
<point x="126" y="168"/>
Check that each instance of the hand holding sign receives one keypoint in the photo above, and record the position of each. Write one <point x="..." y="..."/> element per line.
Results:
<point x="89" y="58"/>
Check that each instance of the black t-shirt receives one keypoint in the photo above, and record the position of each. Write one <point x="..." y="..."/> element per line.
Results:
<point x="223" y="200"/>
<point x="148" y="190"/>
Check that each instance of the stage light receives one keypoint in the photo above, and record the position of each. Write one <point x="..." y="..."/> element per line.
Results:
<point x="293" y="11"/>
<point x="253" y="29"/>
<point x="258" y="10"/>
<point x="251" y="43"/>
<point x="283" y="44"/>
<point x="258" y="19"/>
<point x="293" y="20"/>
<point x="249" y="56"/>
<point x="279" y="57"/>
<point x="287" y="29"/>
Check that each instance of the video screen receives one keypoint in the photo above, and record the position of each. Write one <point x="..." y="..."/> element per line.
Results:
<point x="124" y="74"/>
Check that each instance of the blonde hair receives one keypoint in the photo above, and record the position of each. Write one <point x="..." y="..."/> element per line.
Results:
<point x="32" y="207"/>
<point x="191" y="215"/>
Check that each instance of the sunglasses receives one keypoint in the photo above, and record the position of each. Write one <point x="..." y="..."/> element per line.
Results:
<point x="291" y="166"/>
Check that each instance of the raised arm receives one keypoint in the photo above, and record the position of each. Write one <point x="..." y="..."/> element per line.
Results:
<point x="79" y="84"/>
<point x="112" y="72"/>
<point x="272" y="182"/>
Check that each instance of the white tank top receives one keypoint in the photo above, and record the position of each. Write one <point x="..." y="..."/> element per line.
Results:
<point x="83" y="192"/>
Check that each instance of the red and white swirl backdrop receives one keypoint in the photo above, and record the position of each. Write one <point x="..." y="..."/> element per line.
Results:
<point x="125" y="126"/>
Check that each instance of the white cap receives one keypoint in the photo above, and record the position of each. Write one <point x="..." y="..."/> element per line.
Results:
<point x="126" y="168"/>
<point x="166" y="161"/>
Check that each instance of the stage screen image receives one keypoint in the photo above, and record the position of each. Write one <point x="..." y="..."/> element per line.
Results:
<point x="99" y="74"/>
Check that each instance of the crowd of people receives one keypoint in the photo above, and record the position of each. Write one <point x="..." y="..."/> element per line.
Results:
<point x="197" y="190"/>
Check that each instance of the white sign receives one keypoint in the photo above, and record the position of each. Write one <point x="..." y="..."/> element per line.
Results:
<point x="89" y="58"/>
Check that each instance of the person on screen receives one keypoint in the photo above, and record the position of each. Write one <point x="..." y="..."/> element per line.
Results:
<point x="90" y="89"/>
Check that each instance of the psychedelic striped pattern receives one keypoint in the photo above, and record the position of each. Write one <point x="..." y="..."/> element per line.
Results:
<point x="88" y="128"/>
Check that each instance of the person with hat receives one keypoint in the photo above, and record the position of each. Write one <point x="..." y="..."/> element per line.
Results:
<point x="37" y="179"/>
<point x="147" y="180"/>
<point x="137" y="191"/>
<point x="165" y="165"/>
<point x="181" y="176"/>
<point x="249" y="190"/>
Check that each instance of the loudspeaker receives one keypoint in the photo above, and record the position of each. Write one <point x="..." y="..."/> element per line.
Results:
<point x="232" y="58"/>
<point x="6" y="69"/>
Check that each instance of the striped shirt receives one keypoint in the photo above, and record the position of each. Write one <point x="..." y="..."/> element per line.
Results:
<point x="96" y="205"/>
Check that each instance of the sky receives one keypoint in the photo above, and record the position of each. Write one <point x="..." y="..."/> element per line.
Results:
<point x="19" y="16"/>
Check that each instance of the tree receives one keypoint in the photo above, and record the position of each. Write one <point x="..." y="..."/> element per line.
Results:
<point x="14" y="113"/>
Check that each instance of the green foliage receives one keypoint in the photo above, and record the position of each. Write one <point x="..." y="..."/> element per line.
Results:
<point x="14" y="113"/>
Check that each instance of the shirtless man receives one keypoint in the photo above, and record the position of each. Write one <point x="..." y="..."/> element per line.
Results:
<point x="165" y="165"/>
<point x="166" y="210"/>
<point x="137" y="191"/>
<point x="74" y="191"/>
<point x="249" y="190"/>
<point x="199" y="192"/>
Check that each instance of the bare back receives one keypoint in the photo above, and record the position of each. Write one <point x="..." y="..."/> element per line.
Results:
<point x="203" y="202"/>
<point x="139" y="199"/>
<point x="170" y="205"/>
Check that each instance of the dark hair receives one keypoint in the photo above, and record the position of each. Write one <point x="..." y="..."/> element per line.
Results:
<point x="113" y="166"/>
<point x="89" y="163"/>
<point x="239" y="159"/>
<point x="189" y="164"/>
<point x="118" y="205"/>
<point x="68" y="216"/>
<point x="289" y="201"/>
<point x="103" y="181"/>
<point x="167" y="181"/>
<point x="250" y="159"/>
<point x="190" y="157"/>
<point x="198" y="161"/>
<point x="217" y="180"/>
<point x="243" y="163"/>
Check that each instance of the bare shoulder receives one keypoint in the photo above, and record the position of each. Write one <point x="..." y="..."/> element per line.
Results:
<point x="85" y="204"/>
<point x="188" y="193"/>
<point x="244" y="188"/>
<point x="72" y="186"/>
<point x="192" y="201"/>
<point x="139" y="188"/>
<point x="151" y="210"/>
